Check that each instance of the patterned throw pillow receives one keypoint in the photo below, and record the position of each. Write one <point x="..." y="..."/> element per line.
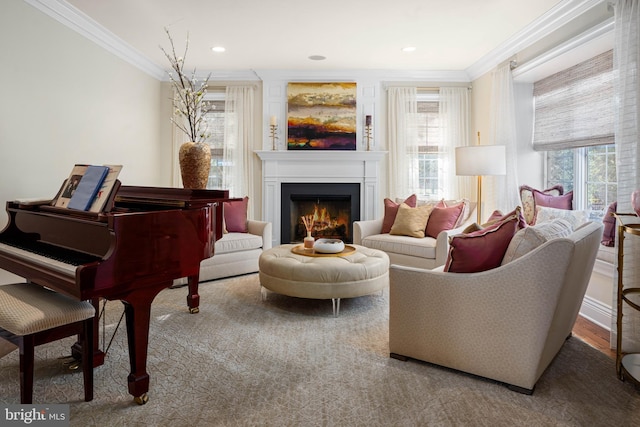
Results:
<point x="529" y="238"/>
<point x="411" y="221"/>
<point x="391" y="210"/>
<point x="575" y="218"/>
<point x="528" y="202"/>
<point x="609" y="221"/>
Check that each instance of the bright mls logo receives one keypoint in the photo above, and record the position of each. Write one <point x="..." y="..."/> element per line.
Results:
<point x="34" y="415"/>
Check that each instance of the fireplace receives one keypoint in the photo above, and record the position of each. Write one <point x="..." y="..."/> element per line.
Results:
<point x="334" y="207"/>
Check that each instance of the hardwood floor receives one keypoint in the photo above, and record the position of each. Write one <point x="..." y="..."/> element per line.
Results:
<point x="594" y="335"/>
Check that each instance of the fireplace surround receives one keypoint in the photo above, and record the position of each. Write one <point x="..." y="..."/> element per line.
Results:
<point x="319" y="167"/>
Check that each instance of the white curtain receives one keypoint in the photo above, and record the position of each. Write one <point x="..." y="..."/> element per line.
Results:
<point x="501" y="192"/>
<point x="237" y="174"/>
<point x="454" y="113"/>
<point x="403" y="148"/>
<point x="626" y="65"/>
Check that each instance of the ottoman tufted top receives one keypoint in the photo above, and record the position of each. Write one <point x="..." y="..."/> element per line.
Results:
<point x="364" y="264"/>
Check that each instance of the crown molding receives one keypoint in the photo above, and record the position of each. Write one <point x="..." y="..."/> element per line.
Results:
<point x="362" y="74"/>
<point x="71" y="17"/>
<point x="552" y="20"/>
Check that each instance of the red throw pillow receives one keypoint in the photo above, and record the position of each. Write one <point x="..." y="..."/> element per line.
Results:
<point x="481" y="250"/>
<point x="235" y="215"/>
<point x="443" y="219"/>
<point x="391" y="210"/>
<point x="559" y="202"/>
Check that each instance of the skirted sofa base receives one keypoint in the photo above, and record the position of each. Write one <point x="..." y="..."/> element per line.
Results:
<point x="235" y="253"/>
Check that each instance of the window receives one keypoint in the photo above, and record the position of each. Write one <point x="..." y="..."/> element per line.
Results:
<point x="590" y="172"/>
<point x="574" y="125"/>
<point x="215" y="122"/>
<point x="430" y="151"/>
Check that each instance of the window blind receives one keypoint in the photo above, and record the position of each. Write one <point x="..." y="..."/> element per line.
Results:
<point x="574" y="107"/>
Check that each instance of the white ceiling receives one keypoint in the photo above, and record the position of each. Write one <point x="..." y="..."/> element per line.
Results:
<point x="351" y="34"/>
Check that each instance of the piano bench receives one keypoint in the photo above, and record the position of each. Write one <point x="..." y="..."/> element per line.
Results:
<point x="31" y="315"/>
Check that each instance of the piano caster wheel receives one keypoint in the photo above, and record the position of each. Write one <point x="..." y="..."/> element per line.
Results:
<point x="141" y="400"/>
<point x="194" y="310"/>
<point x="73" y="366"/>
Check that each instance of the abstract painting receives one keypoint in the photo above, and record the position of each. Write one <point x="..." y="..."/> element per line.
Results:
<point x="321" y="116"/>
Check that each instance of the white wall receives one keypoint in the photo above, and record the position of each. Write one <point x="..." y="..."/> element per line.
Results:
<point x="66" y="100"/>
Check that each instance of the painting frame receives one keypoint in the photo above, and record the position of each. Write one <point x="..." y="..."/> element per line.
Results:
<point x="321" y="116"/>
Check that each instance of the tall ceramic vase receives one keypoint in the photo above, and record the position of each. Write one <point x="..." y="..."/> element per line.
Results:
<point x="195" y="163"/>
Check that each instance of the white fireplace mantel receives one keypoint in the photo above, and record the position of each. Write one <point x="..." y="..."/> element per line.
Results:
<point x="319" y="166"/>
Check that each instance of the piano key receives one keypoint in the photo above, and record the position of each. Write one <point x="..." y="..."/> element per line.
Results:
<point x="59" y="266"/>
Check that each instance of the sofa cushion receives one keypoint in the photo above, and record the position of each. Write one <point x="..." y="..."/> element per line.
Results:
<point x="481" y="250"/>
<point x="444" y="218"/>
<point x="529" y="238"/>
<point x="411" y="221"/>
<point x="575" y="218"/>
<point x="528" y="202"/>
<point x="391" y="210"/>
<point x="235" y="215"/>
<point x="404" y="245"/>
<point x="237" y="242"/>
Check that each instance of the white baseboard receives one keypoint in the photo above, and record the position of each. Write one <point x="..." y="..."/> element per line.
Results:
<point x="596" y="312"/>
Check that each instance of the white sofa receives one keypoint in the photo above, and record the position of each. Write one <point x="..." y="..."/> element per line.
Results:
<point x="236" y="253"/>
<point x="425" y="252"/>
<point x="507" y="323"/>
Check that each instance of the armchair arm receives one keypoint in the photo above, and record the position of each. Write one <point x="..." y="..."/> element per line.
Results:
<point x="491" y="323"/>
<point x="362" y="229"/>
<point x="442" y="243"/>
<point x="263" y="229"/>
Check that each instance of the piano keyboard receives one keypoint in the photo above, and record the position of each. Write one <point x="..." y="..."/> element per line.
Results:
<point x="62" y="265"/>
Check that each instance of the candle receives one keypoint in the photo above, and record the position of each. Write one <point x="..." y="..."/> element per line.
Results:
<point x="367" y="120"/>
<point x="274" y="121"/>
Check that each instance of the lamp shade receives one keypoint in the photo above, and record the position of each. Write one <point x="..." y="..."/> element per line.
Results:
<point x="480" y="160"/>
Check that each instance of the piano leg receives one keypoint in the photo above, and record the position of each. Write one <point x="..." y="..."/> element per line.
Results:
<point x="137" y="308"/>
<point x="98" y="355"/>
<point x="193" y="298"/>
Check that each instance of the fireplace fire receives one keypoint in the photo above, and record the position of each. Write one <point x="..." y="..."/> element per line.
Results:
<point x="333" y="207"/>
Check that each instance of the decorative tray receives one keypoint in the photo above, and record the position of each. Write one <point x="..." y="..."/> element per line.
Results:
<point x="300" y="250"/>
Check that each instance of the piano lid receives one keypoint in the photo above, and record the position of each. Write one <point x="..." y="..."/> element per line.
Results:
<point x="174" y="197"/>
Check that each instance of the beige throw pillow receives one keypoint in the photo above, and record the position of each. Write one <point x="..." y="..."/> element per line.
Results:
<point x="533" y="236"/>
<point x="411" y="221"/>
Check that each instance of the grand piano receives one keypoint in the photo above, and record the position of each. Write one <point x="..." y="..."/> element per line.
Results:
<point x="146" y="238"/>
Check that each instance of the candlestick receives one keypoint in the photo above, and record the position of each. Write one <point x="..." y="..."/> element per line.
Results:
<point x="273" y="130"/>
<point x="367" y="131"/>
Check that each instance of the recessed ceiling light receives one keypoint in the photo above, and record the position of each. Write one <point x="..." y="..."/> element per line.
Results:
<point x="218" y="49"/>
<point x="317" y="58"/>
<point x="409" y="49"/>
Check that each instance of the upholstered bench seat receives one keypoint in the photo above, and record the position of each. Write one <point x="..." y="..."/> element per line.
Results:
<point x="31" y="315"/>
<point x="364" y="272"/>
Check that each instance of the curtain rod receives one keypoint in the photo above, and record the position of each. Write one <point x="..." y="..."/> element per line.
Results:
<point x="438" y="87"/>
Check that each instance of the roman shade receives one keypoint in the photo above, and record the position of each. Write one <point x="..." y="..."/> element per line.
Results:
<point x="574" y="107"/>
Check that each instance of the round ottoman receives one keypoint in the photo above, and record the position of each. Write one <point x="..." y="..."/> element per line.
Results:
<point x="363" y="272"/>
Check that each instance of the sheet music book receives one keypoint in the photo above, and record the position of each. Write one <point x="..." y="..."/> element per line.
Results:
<point x="88" y="187"/>
<point x="70" y="185"/>
<point x="106" y="188"/>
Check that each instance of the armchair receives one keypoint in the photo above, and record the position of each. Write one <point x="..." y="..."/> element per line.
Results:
<point x="506" y="324"/>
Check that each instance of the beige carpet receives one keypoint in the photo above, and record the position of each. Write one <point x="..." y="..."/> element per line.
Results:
<point x="287" y="361"/>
